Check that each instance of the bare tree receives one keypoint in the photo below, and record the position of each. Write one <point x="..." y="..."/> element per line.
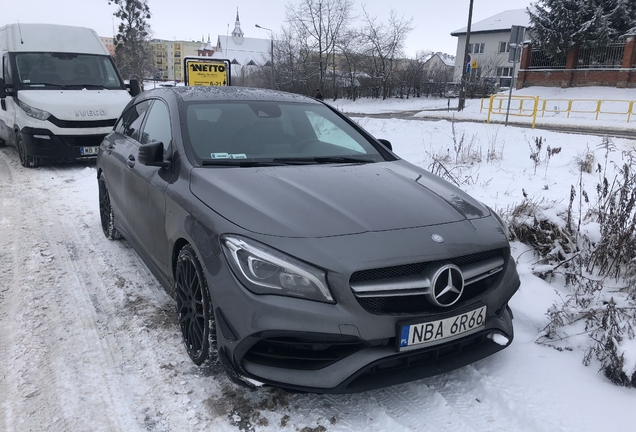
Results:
<point x="296" y="65"/>
<point x="133" y="53"/>
<point x="350" y="47"/>
<point x="385" y="43"/>
<point x="321" y="22"/>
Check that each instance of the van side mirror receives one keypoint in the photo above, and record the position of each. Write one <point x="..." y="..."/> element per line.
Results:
<point x="3" y="90"/>
<point x="133" y="87"/>
<point x="151" y="154"/>
<point x="386" y="143"/>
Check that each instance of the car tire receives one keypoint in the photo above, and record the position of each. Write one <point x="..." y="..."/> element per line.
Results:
<point x="106" y="211"/>
<point x="26" y="160"/>
<point x="194" y="308"/>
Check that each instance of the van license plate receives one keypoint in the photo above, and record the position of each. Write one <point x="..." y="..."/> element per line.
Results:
<point x="87" y="151"/>
<point x="434" y="332"/>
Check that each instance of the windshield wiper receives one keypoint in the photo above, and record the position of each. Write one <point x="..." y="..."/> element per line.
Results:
<point x="238" y="163"/>
<point x="91" y="86"/>
<point x="41" y="84"/>
<point x="322" y="160"/>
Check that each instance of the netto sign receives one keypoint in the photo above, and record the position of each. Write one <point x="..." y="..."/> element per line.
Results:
<point x="206" y="72"/>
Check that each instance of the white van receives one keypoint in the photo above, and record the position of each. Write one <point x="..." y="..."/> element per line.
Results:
<point x="60" y="92"/>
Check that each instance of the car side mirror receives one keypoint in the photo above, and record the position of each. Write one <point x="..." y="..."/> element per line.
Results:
<point x="151" y="154"/>
<point x="133" y="87"/>
<point x="386" y="143"/>
<point x="3" y="90"/>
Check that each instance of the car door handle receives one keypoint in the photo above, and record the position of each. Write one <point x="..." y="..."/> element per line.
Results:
<point x="131" y="161"/>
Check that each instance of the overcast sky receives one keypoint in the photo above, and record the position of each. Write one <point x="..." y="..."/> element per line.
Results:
<point x="434" y="20"/>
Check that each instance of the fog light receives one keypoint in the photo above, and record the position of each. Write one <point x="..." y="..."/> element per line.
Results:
<point x="498" y="338"/>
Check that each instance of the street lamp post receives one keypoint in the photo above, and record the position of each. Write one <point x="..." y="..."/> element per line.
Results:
<point x="271" y="48"/>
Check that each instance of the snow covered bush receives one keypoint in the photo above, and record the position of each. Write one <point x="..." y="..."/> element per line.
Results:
<point x="591" y="249"/>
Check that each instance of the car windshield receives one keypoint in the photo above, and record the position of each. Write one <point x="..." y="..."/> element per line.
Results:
<point x="272" y="133"/>
<point x="66" y="70"/>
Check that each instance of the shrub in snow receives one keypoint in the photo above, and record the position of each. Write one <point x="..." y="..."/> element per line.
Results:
<point x="591" y="248"/>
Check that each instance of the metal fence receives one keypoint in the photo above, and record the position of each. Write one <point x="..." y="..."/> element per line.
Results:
<point x="610" y="56"/>
<point x="542" y="60"/>
<point x="528" y="106"/>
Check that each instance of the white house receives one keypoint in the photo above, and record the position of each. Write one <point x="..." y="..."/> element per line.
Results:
<point x="242" y="52"/>
<point x="488" y="48"/>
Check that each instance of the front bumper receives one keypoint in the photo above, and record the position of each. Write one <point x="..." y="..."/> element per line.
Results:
<point x="383" y="367"/>
<point x="43" y="144"/>
<point x="341" y="348"/>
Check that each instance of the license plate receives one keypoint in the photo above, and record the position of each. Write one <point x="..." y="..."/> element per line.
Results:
<point x="434" y="332"/>
<point x="86" y="151"/>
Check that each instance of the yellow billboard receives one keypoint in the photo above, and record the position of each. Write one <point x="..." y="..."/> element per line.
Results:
<point x="206" y="72"/>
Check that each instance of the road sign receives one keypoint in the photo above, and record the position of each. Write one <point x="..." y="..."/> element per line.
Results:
<point x="474" y="64"/>
<point x="517" y="34"/>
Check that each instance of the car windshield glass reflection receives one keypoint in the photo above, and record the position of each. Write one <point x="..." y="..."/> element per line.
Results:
<point x="269" y="133"/>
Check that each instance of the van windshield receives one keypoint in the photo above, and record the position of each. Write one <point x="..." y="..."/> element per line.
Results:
<point x="66" y="70"/>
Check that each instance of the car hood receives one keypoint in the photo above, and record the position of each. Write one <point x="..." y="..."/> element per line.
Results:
<point x="332" y="200"/>
<point x="78" y="104"/>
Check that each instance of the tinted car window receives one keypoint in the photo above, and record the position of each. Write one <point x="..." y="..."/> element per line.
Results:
<point x="157" y="126"/>
<point x="131" y="120"/>
<point x="271" y="130"/>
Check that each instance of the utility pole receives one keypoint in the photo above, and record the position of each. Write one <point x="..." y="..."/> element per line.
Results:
<point x="462" y="88"/>
<point x="271" y="48"/>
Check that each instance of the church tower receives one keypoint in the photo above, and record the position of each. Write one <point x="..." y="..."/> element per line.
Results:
<point x="237" y="34"/>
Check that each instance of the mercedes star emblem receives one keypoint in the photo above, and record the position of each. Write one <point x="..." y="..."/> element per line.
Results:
<point x="447" y="286"/>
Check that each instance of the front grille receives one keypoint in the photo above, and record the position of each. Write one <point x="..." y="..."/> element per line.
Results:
<point x="302" y="353"/>
<point x="79" y="124"/>
<point x="82" y="140"/>
<point x="389" y="302"/>
<point x="415" y="304"/>
<point x="415" y="268"/>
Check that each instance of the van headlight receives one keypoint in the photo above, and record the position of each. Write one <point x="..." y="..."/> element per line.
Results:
<point x="264" y="270"/>
<point x="34" y="112"/>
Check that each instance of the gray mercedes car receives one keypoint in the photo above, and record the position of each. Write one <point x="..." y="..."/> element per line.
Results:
<point x="301" y="251"/>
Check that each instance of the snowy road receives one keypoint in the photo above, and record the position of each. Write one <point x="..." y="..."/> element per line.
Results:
<point x="89" y="342"/>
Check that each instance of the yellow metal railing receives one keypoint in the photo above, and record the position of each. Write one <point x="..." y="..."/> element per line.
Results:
<point x="498" y="104"/>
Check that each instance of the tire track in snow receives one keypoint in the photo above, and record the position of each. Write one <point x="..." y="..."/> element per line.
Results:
<point x="25" y="406"/>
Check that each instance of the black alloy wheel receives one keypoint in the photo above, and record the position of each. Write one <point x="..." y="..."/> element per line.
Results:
<point x="25" y="160"/>
<point x="196" y="318"/>
<point x="106" y="211"/>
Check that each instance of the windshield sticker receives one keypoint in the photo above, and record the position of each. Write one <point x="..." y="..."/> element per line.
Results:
<point x="228" y="156"/>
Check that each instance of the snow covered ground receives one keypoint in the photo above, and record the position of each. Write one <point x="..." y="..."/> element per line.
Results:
<point x="89" y="341"/>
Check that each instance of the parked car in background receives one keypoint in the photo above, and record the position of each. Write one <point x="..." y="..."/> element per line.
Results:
<point x="300" y="250"/>
<point x="60" y="92"/>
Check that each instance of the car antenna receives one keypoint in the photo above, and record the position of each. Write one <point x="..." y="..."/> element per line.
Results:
<point x="20" y="30"/>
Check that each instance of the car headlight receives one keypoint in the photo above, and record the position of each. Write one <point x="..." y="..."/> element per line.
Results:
<point x="34" y="112"/>
<point x="264" y="270"/>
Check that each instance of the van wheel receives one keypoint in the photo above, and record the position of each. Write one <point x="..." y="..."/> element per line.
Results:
<point x="26" y="160"/>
